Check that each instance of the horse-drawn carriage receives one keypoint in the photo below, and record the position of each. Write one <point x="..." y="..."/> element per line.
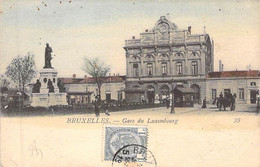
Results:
<point x="227" y="101"/>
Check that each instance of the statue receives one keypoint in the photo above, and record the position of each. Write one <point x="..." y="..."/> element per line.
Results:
<point x="60" y="86"/>
<point x="50" y="86"/>
<point x="37" y="86"/>
<point x="48" y="56"/>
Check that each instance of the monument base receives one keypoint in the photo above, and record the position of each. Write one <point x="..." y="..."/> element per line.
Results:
<point x="49" y="99"/>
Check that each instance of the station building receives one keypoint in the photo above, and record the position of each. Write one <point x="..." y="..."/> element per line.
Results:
<point x="165" y="57"/>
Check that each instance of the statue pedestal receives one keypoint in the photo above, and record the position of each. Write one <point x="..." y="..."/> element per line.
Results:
<point x="50" y="99"/>
<point x="45" y="98"/>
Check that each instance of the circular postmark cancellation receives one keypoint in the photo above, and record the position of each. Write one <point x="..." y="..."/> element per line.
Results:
<point x="134" y="155"/>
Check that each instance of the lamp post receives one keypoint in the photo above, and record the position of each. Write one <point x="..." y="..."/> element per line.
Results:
<point x="172" y="106"/>
<point x="172" y="83"/>
<point x="19" y="102"/>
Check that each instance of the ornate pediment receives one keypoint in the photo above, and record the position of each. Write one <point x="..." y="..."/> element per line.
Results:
<point x="194" y="54"/>
<point x="150" y="57"/>
<point x="179" y="54"/>
<point x="163" y="25"/>
<point x="135" y="58"/>
<point x="164" y="57"/>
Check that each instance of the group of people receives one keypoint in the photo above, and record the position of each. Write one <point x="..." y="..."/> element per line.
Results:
<point x="226" y="100"/>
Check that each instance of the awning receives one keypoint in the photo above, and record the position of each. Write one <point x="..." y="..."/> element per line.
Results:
<point x="186" y="90"/>
<point x="134" y="91"/>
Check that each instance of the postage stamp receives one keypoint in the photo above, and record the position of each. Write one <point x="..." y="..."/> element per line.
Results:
<point x="118" y="137"/>
<point x="134" y="155"/>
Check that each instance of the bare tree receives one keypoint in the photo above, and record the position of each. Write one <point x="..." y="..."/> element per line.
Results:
<point x="22" y="70"/>
<point x="98" y="70"/>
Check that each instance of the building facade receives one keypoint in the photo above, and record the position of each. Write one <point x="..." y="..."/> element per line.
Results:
<point x="84" y="90"/>
<point x="164" y="57"/>
<point x="245" y="84"/>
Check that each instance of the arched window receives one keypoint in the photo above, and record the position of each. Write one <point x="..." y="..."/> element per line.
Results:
<point x="194" y="67"/>
<point x="150" y="69"/>
<point x="179" y="67"/>
<point x="164" y="68"/>
<point x="135" y="70"/>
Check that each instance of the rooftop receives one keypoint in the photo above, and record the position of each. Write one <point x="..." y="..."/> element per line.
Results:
<point x="233" y="74"/>
<point x="85" y="80"/>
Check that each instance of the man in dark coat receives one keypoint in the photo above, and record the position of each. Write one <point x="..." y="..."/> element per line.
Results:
<point x="233" y="102"/>
<point x="96" y="107"/>
<point x="220" y="100"/>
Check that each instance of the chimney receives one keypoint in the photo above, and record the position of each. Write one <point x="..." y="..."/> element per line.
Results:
<point x="118" y="74"/>
<point x="146" y="30"/>
<point x="85" y="77"/>
<point x="74" y="76"/>
<point x="133" y="37"/>
<point x="220" y="66"/>
<point x="189" y="30"/>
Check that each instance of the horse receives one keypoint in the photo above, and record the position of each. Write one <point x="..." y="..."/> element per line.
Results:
<point x="227" y="101"/>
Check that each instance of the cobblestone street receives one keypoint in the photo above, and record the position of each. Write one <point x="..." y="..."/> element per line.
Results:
<point x="244" y="109"/>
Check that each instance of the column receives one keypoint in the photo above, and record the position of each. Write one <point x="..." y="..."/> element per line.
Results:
<point x="170" y="62"/>
<point x="142" y="64"/>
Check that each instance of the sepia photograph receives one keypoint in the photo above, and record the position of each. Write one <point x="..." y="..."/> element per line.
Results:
<point x="151" y="83"/>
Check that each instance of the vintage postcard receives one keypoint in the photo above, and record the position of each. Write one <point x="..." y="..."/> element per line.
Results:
<point x="130" y="83"/>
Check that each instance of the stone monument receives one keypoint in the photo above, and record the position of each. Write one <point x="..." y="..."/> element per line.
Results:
<point x="46" y="91"/>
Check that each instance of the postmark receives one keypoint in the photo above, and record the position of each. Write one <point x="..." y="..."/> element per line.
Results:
<point x="118" y="137"/>
<point x="134" y="155"/>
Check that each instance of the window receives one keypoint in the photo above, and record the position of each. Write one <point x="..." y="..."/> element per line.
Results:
<point x="179" y="67"/>
<point x="194" y="66"/>
<point x="108" y="96"/>
<point x="164" y="68"/>
<point x="87" y="99"/>
<point x="135" y="70"/>
<point x="253" y="83"/>
<point x="119" y="95"/>
<point x="150" y="69"/>
<point x="213" y="93"/>
<point x="241" y="94"/>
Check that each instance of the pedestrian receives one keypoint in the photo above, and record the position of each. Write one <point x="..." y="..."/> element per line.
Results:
<point x="233" y="102"/>
<point x="220" y="100"/>
<point x="96" y="109"/>
<point x="204" y="103"/>
<point x="106" y="108"/>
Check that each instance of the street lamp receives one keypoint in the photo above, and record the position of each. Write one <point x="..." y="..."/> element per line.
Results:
<point x="19" y="102"/>
<point x="172" y="107"/>
<point x="172" y="83"/>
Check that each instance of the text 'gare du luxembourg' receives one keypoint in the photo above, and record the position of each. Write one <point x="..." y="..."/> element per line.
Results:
<point x="163" y="59"/>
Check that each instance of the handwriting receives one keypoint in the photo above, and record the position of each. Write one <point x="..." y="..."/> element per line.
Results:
<point x="35" y="151"/>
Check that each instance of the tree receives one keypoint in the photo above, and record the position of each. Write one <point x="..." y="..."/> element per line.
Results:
<point x="98" y="70"/>
<point x="22" y="70"/>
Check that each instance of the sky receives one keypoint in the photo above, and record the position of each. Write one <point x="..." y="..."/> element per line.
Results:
<point x="98" y="28"/>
